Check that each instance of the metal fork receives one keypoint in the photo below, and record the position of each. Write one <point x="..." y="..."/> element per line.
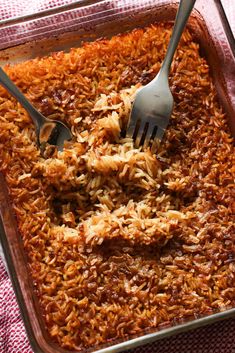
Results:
<point x="52" y="132"/>
<point x="154" y="102"/>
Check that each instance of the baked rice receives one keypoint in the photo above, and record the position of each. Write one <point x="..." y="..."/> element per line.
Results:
<point x="120" y="241"/>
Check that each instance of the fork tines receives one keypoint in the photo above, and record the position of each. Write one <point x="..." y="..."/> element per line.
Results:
<point x="145" y="133"/>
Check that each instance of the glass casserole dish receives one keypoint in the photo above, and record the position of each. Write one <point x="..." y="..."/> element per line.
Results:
<point x="104" y="19"/>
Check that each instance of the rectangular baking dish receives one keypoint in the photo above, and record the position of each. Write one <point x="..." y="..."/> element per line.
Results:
<point x="38" y="35"/>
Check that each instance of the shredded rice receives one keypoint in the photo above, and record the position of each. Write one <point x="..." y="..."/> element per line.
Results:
<point x="119" y="240"/>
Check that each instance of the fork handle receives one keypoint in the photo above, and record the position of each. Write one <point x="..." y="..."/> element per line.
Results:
<point x="9" y="85"/>
<point x="183" y="13"/>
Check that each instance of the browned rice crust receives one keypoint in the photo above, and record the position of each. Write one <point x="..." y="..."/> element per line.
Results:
<point x="119" y="240"/>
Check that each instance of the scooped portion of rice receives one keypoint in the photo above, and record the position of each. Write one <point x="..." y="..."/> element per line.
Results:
<point x="119" y="183"/>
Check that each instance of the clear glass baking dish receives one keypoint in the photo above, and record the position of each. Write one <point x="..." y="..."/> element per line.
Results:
<point x="39" y="34"/>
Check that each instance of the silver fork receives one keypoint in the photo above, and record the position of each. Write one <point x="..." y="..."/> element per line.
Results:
<point x="52" y="132"/>
<point x="154" y="102"/>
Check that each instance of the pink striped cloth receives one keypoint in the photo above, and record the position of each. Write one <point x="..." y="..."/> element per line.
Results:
<point x="216" y="338"/>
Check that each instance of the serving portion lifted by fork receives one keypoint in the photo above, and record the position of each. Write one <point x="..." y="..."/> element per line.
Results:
<point x="153" y="104"/>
